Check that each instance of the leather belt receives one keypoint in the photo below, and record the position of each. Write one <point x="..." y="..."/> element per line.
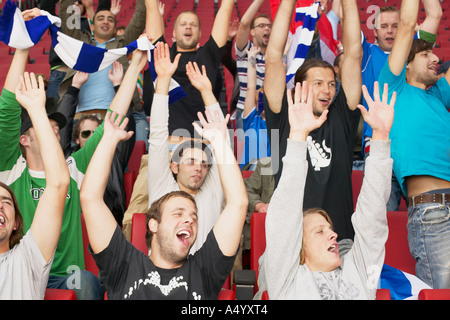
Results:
<point x="429" y="198"/>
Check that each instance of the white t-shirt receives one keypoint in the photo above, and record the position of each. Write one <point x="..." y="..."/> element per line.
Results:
<point x="24" y="271"/>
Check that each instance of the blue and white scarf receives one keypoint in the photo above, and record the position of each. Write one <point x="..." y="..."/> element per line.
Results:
<point x="20" y="34"/>
<point x="306" y="19"/>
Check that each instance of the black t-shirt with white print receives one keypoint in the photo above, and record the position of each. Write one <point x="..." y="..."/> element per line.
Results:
<point x="127" y="273"/>
<point x="330" y="158"/>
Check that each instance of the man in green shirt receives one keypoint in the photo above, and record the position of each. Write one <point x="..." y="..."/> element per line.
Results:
<point x="21" y="168"/>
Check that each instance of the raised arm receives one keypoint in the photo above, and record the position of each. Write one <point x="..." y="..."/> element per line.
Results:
<point x="402" y="45"/>
<point x="158" y="169"/>
<point x="154" y="25"/>
<point x="275" y="73"/>
<point x="433" y="10"/>
<point x="284" y="220"/>
<point x="124" y="95"/>
<point x="221" y="24"/>
<point x="228" y="227"/>
<point x="47" y="221"/>
<point x="100" y="223"/>
<point x="243" y="32"/>
<point x="250" y="96"/>
<point x="351" y="77"/>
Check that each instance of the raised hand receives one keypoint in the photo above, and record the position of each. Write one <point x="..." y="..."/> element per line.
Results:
<point x="115" y="7"/>
<point x="199" y="79"/>
<point x="139" y="58"/>
<point x="301" y="117"/>
<point x="114" y="127"/>
<point x="164" y="67"/>
<point x="115" y="74"/>
<point x="31" y="93"/>
<point x="252" y="52"/>
<point x="212" y="129"/>
<point x="380" y="115"/>
<point x="79" y="78"/>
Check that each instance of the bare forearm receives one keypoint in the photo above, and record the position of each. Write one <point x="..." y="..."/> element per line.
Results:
<point x="16" y="69"/>
<point x="153" y="25"/>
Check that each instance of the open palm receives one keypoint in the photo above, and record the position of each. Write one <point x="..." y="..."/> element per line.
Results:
<point x="212" y="129"/>
<point x="301" y="117"/>
<point x="380" y="115"/>
<point x="114" y="127"/>
<point x="29" y="92"/>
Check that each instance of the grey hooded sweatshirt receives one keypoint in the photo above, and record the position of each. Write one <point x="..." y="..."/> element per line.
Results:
<point x="280" y="271"/>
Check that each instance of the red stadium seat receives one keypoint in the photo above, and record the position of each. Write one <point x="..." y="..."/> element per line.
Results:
<point x="226" y="294"/>
<point x="397" y="247"/>
<point x="383" y="294"/>
<point x="257" y="240"/>
<point x="128" y="180"/>
<point x="59" y="294"/>
<point x="135" y="159"/>
<point x="138" y="230"/>
<point x="434" y="294"/>
<point x="89" y="263"/>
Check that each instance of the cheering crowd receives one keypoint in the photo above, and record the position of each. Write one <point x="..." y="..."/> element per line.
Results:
<point x="66" y="141"/>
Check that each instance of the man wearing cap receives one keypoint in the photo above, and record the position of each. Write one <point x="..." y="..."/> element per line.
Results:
<point x="24" y="173"/>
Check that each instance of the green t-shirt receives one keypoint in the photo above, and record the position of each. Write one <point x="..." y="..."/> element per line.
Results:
<point x="29" y="185"/>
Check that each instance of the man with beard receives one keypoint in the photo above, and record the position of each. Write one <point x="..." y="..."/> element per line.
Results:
<point x="330" y="147"/>
<point x="385" y="30"/>
<point x="172" y="220"/>
<point x="420" y="146"/>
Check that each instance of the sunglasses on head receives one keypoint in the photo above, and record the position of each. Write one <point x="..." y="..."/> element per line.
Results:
<point x="86" y="133"/>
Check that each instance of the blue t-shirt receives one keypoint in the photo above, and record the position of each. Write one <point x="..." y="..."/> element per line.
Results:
<point x="420" y="134"/>
<point x="98" y="91"/>
<point x="256" y="139"/>
<point x="374" y="58"/>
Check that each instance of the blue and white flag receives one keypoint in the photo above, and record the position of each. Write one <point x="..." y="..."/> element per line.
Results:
<point x="305" y="23"/>
<point x="402" y="285"/>
<point x="76" y="54"/>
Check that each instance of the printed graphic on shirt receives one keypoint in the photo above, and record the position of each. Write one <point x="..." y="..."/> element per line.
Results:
<point x="320" y="154"/>
<point x="337" y="290"/>
<point x="154" y="279"/>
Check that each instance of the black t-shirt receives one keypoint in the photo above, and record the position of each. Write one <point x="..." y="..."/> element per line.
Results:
<point x="184" y="111"/>
<point x="127" y="273"/>
<point x="330" y="156"/>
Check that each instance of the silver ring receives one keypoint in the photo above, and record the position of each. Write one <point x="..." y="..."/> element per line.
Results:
<point x="303" y="101"/>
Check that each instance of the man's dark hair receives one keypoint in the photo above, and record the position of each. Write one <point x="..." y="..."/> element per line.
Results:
<point x="191" y="144"/>
<point x="418" y="45"/>
<point x="302" y="72"/>
<point x="156" y="209"/>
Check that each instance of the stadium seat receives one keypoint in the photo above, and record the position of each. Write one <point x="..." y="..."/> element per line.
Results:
<point x="434" y="294"/>
<point x="226" y="294"/>
<point x="89" y="263"/>
<point x="128" y="180"/>
<point x="135" y="159"/>
<point x="258" y="241"/>
<point x="357" y="179"/>
<point x="59" y="294"/>
<point x="138" y="230"/>
<point x="383" y="294"/>
<point x="397" y="247"/>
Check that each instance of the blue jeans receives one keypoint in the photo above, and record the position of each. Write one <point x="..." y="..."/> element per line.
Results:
<point x="55" y="79"/>
<point x="396" y="191"/>
<point x="85" y="284"/>
<point x="142" y="127"/>
<point x="429" y="242"/>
